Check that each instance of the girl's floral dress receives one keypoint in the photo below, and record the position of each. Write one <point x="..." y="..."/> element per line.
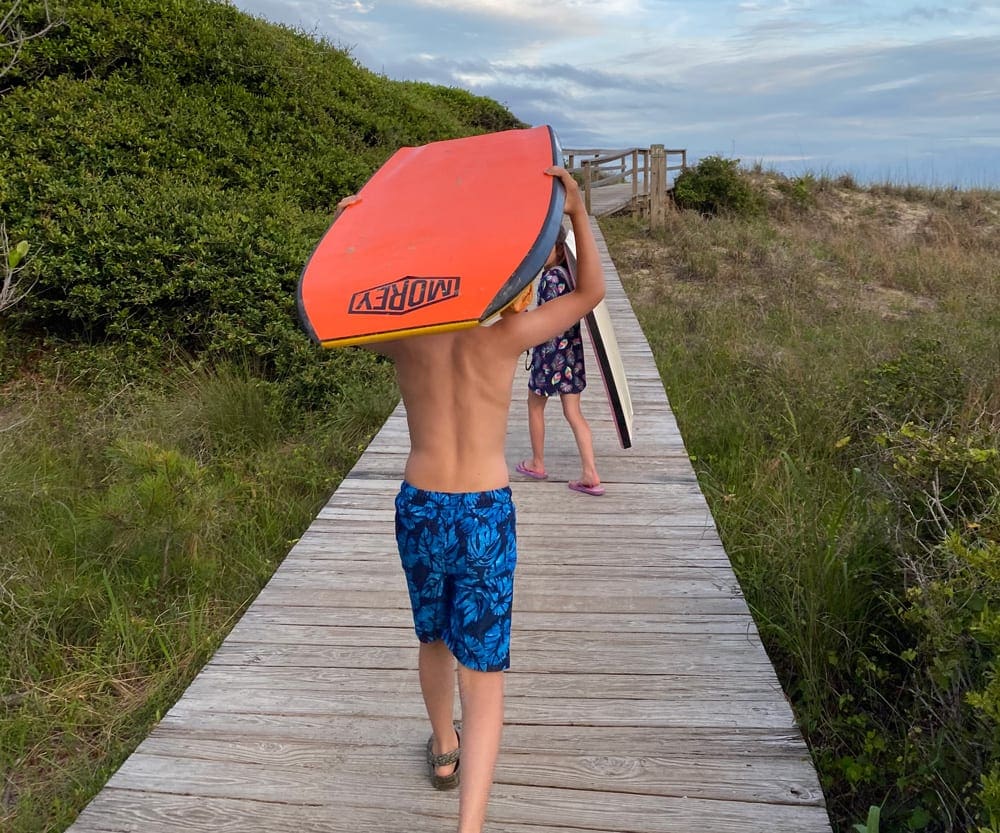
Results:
<point x="557" y="365"/>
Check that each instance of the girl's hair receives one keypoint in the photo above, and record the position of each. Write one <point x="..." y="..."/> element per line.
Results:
<point x="561" y="241"/>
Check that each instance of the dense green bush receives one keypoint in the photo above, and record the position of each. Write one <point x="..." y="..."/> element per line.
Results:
<point x="942" y="482"/>
<point x="717" y="185"/>
<point x="174" y="164"/>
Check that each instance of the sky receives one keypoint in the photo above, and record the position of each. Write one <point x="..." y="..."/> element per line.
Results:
<point x="887" y="90"/>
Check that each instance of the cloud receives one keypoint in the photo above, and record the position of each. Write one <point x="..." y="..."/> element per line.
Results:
<point x="546" y="11"/>
<point x="895" y="84"/>
<point x="787" y="80"/>
<point x="526" y="80"/>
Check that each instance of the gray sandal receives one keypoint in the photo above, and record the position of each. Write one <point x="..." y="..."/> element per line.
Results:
<point x="443" y="782"/>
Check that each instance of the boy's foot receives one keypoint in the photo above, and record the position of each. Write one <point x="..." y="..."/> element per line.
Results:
<point x="447" y="761"/>
<point x="579" y="486"/>
<point x="523" y="468"/>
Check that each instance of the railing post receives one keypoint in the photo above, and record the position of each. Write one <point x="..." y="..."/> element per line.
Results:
<point x="658" y="187"/>
<point x="635" y="180"/>
<point x="586" y="183"/>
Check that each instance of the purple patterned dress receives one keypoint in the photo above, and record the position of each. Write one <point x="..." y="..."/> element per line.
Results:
<point x="557" y="365"/>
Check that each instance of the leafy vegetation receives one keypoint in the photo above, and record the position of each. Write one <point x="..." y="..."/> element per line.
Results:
<point x="176" y="169"/>
<point x="717" y="185"/>
<point x="832" y="364"/>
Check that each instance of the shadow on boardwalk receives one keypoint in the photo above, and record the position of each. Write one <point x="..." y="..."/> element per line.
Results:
<point x="640" y="698"/>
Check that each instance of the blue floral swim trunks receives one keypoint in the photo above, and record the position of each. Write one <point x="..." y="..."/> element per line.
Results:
<point x="458" y="552"/>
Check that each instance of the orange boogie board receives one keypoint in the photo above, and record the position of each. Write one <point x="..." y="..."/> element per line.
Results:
<point x="443" y="237"/>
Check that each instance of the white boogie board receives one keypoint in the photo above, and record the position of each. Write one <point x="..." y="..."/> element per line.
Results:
<point x="609" y="360"/>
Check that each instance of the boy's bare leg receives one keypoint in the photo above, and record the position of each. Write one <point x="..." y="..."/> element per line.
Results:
<point x="536" y="430"/>
<point x="584" y="437"/>
<point x="437" y="684"/>
<point x="482" y="724"/>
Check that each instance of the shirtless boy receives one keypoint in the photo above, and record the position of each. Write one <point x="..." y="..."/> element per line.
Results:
<point x="455" y="518"/>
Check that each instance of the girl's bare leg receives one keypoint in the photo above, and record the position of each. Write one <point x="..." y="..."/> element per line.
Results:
<point x="536" y="430"/>
<point x="584" y="437"/>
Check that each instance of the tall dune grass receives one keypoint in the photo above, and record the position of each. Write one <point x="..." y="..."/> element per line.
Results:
<point x="137" y="520"/>
<point x="832" y="365"/>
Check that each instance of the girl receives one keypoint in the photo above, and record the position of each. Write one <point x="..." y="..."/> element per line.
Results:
<point x="557" y="369"/>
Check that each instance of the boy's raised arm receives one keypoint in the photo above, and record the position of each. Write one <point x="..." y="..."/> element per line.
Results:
<point x="589" y="272"/>
<point x="558" y="315"/>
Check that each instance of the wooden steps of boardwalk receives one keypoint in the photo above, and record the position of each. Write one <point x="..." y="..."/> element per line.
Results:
<point x="640" y="699"/>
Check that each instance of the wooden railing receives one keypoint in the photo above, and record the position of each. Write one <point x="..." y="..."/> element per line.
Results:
<point x="647" y="169"/>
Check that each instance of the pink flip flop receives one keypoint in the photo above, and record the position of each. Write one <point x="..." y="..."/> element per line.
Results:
<point x="579" y="486"/>
<point x="520" y="468"/>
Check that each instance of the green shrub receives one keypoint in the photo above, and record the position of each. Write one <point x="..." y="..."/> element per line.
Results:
<point x="716" y="185"/>
<point x="174" y="167"/>
<point x="943" y="485"/>
<point x="801" y="190"/>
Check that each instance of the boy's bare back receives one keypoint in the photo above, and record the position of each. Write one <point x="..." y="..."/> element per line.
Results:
<point x="457" y="385"/>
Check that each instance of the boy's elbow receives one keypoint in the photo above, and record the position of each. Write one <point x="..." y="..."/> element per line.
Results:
<point x="599" y="290"/>
<point x="593" y="297"/>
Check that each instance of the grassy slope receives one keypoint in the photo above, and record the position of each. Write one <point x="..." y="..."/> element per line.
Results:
<point x="176" y="163"/>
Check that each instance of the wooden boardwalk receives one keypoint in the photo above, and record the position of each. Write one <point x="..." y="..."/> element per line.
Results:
<point x="610" y="198"/>
<point x="640" y="699"/>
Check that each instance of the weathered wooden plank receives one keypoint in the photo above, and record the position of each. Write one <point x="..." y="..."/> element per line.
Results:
<point x="600" y="658"/>
<point x="593" y="535"/>
<point x="130" y="811"/>
<point x="583" y="526"/>
<point x="526" y="598"/>
<point x="140" y="812"/>
<point x="626" y="770"/>
<point x="629" y="594"/>
<point x="565" y="642"/>
<point x="755" y="684"/>
<point x="685" y="500"/>
<point x="731" y="742"/>
<point x="356" y="492"/>
<point x="589" y="621"/>
<point x="536" y="550"/>
<point x="653" y="517"/>
<point x="614" y="770"/>
<point x="538" y="711"/>
<point x="381" y="572"/>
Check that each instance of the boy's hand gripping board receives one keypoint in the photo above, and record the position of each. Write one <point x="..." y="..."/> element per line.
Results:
<point x="444" y="236"/>
<point x="609" y="359"/>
